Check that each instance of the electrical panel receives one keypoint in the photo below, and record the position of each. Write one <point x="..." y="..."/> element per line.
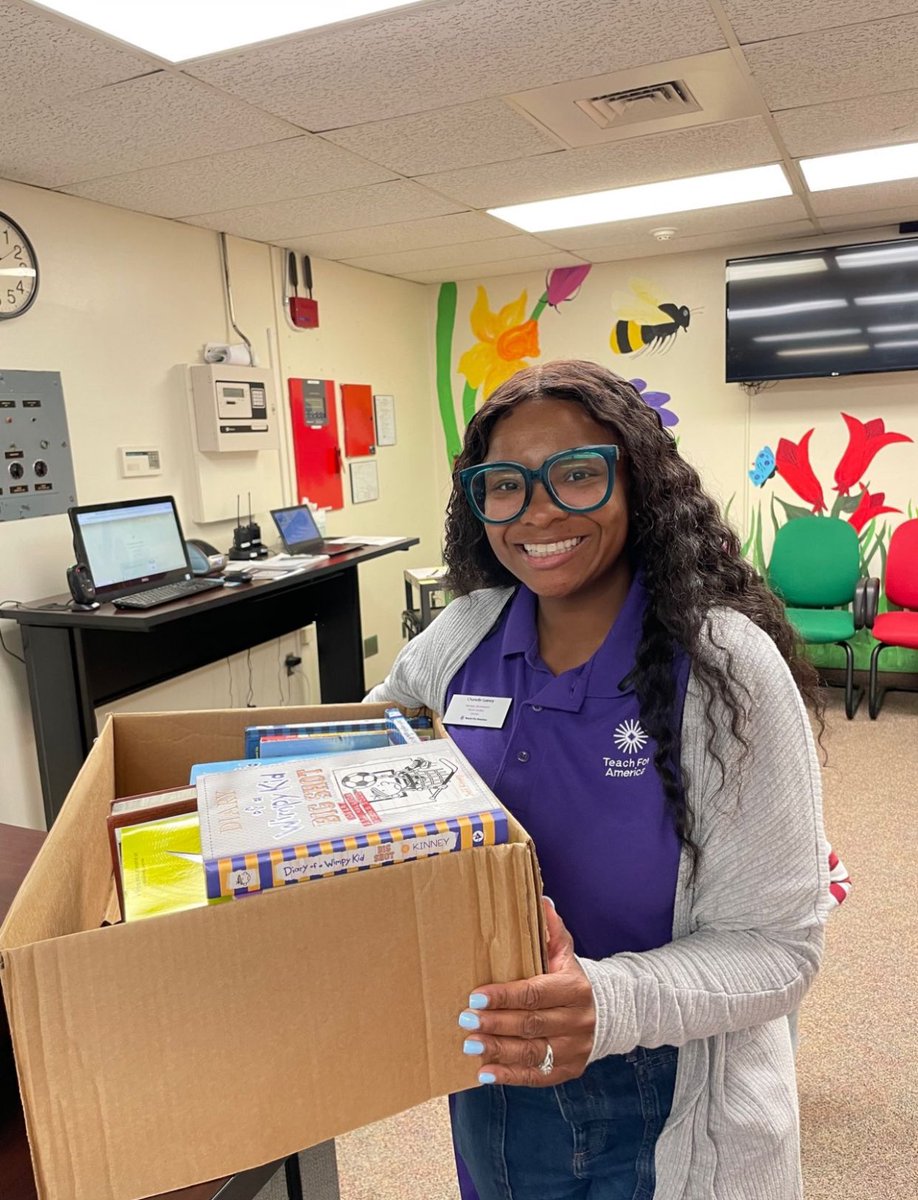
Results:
<point x="36" y="473"/>
<point x="234" y="407"/>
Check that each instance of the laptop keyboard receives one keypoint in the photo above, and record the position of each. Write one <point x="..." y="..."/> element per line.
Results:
<point x="168" y="592"/>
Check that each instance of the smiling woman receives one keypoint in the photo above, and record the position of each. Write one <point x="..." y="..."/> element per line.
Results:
<point x="602" y="593"/>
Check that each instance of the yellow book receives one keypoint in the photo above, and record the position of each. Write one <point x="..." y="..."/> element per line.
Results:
<point x="161" y="867"/>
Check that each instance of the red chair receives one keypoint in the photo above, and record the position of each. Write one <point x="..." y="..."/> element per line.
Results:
<point x="896" y="628"/>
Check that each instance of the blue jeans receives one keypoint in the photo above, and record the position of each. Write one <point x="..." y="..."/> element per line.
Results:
<point x="590" y="1139"/>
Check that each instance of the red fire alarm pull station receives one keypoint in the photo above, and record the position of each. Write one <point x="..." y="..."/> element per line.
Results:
<point x="304" y="311"/>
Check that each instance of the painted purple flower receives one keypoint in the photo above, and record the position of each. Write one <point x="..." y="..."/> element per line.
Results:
<point x="656" y="401"/>
<point x="563" y="282"/>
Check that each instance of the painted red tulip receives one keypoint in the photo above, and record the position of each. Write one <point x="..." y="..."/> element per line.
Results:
<point x="869" y="506"/>
<point x="864" y="440"/>
<point x="793" y="463"/>
<point x="562" y="283"/>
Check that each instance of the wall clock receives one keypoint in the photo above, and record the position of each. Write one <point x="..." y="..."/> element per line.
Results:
<point x="18" y="270"/>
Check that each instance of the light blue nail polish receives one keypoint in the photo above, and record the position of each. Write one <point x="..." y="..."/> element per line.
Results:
<point x="478" y="1000"/>
<point x="486" y="1077"/>
<point x="468" y="1020"/>
<point x="472" y="1046"/>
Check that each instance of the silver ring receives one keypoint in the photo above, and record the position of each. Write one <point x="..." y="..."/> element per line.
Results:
<point x="548" y="1062"/>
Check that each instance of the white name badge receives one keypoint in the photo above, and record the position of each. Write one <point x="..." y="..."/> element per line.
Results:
<point x="487" y="711"/>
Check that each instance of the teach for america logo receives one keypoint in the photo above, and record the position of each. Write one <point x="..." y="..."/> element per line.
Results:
<point x="630" y="739"/>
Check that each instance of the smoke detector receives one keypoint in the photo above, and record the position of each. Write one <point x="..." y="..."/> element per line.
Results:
<point x="663" y="235"/>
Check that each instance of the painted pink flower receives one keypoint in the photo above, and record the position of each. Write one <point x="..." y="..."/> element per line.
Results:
<point x="792" y="461"/>
<point x="563" y="283"/>
<point x="869" y="506"/>
<point x="864" y="440"/>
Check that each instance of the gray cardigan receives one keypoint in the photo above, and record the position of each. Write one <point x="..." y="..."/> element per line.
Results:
<point x="747" y="931"/>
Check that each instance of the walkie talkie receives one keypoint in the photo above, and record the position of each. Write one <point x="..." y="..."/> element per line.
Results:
<point x="246" y="538"/>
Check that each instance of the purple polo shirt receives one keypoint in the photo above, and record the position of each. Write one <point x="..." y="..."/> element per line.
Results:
<point x="575" y="767"/>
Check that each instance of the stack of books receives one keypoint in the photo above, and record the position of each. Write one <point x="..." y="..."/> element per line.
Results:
<point x="264" y="822"/>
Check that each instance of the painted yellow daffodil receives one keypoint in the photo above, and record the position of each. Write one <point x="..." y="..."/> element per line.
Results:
<point x="505" y="341"/>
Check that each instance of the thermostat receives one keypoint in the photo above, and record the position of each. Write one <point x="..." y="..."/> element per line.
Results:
<point x="139" y="460"/>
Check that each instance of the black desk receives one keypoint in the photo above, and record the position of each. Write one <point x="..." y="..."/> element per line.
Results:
<point x="78" y="661"/>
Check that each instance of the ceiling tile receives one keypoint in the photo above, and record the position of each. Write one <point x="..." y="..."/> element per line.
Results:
<point x="850" y="124"/>
<point x="510" y="266"/>
<point x="875" y="222"/>
<point x="403" y="235"/>
<point x="127" y="126"/>
<point x="293" y="168"/>
<point x="355" y="208"/>
<point x="444" y="138"/>
<point x="707" y="220"/>
<point x="839" y="64"/>
<point x="407" y="61"/>
<point x="867" y="198"/>
<point x="754" y="21"/>
<point x="467" y="253"/>
<point x="694" y="151"/>
<point x="764" y="236"/>
<point x="44" y="58"/>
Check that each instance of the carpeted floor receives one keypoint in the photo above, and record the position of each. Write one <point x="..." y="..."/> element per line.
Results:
<point x="858" y="1058"/>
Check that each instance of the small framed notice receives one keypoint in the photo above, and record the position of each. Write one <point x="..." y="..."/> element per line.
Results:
<point x="364" y="481"/>
<point x="384" y="416"/>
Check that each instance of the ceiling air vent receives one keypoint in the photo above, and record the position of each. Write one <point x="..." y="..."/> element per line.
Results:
<point x="632" y="106"/>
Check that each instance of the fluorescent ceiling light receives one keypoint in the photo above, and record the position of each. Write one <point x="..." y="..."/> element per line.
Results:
<point x="178" y="30"/>
<point x="23" y="272"/>
<point x="765" y="270"/>
<point x="890" y="298"/>
<point x="648" y="199"/>
<point x="858" y="167"/>
<point x="814" y="333"/>
<point x="878" y="257"/>
<point x="902" y="342"/>
<point x="851" y="349"/>
<point x="907" y="328"/>
<point x="780" y="310"/>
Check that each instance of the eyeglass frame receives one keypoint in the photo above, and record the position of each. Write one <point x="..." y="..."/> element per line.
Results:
<point x="466" y="477"/>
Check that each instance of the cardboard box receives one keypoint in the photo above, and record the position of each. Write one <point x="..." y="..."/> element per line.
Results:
<point x="157" y="1055"/>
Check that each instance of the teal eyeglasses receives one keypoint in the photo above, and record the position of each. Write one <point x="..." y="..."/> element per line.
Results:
<point x="578" y="480"/>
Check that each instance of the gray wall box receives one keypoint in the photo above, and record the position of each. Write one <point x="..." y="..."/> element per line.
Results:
<point x="36" y="475"/>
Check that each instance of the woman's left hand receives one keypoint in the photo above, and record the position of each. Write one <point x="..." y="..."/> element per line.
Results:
<point x="515" y="1023"/>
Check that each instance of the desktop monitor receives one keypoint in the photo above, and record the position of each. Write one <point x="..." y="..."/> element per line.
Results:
<point x="130" y="545"/>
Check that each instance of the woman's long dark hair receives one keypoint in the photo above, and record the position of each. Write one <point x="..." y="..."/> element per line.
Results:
<point x="689" y="558"/>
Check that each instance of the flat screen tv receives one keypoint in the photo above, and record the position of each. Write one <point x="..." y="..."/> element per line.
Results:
<point x="838" y="310"/>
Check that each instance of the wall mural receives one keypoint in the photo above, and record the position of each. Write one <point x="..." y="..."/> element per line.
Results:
<point x="507" y="340"/>
<point x="862" y="509"/>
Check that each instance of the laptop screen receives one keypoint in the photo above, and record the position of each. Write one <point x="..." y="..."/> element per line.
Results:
<point x="297" y="527"/>
<point x="131" y="545"/>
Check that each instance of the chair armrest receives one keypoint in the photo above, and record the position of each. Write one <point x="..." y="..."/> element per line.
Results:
<point x="866" y="602"/>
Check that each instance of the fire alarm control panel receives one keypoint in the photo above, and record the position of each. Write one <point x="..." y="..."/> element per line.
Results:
<point x="234" y="407"/>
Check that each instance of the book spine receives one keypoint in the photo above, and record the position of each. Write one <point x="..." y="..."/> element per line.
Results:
<point x="255" y="733"/>
<point x="400" y="731"/>
<point x="243" y="874"/>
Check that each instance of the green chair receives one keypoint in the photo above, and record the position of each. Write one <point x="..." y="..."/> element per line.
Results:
<point x="815" y="569"/>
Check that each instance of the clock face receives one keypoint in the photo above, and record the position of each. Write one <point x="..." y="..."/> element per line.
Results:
<point x="18" y="270"/>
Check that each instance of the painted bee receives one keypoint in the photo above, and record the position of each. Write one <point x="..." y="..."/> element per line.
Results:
<point x="643" y="328"/>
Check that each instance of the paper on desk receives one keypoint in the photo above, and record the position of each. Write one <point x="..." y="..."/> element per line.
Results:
<point x="368" y="540"/>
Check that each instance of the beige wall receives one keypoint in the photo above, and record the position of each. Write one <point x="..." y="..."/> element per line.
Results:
<point x="124" y="301"/>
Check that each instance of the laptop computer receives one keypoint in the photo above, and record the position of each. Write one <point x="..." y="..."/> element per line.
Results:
<point x="300" y="534"/>
<point x="135" y="552"/>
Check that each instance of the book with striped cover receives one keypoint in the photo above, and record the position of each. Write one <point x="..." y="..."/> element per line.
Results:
<point x="278" y="823"/>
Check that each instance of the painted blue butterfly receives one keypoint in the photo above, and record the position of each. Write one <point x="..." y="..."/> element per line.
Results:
<point x="764" y="467"/>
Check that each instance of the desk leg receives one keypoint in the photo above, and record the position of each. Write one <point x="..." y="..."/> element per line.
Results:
<point x="64" y="725"/>
<point x="340" y="640"/>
